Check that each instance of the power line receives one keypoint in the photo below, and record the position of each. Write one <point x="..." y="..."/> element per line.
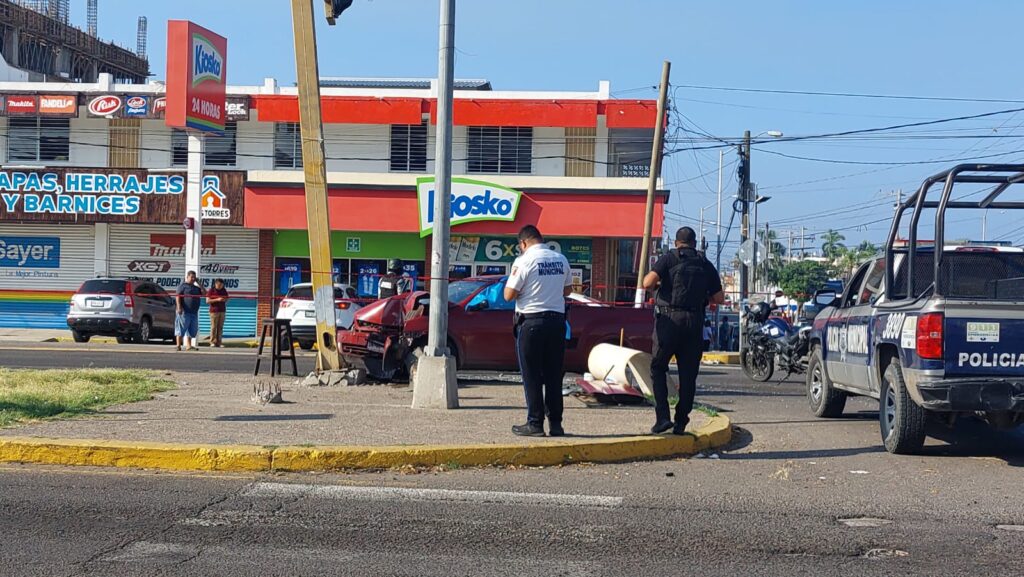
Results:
<point x="850" y="94"/>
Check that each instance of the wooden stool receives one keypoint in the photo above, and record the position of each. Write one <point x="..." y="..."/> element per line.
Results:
<point x="280" y="330"/>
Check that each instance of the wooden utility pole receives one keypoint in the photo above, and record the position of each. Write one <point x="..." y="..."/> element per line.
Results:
<point x="317" y="222"/>
<point x="652" y="182"/>
<point x="744" y="195"/>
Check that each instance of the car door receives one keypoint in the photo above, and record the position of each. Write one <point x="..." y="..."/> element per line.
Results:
<point x="163" y="310"/>
<point x="859" y="334"/>
<point x="837" y="345"/>
<point x="485" y="330"/>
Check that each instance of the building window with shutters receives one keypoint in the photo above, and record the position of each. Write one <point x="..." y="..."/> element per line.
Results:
<point x="500" y="150"/>
<point x="123" y="151"/>
<point x="38" y="139"/>
<point x="579" y="151"/>
<point x="220" y="150"/>
<point x="408" y="147"/>
<point x="287" y="145"/>
<point x="629" y="152"/>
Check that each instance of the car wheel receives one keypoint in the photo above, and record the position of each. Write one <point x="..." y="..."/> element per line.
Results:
<point x="825" y="401"/>
<point x="80" y="337"/>
<point x="306" y="345"/>
<point x="124" y="339"/>
<point x="145" y="331"/>
<point x="901" y="420"/>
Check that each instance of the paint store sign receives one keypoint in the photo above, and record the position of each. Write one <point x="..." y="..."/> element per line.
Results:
<point x="82" y="193"/>
<point x="29" y="252"/>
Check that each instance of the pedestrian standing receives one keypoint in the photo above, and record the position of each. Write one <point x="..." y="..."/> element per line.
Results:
<point x="538" y="283"/>
<point x="685" y="283"/>
<point x="709" y="335"/>
<point x="724" y="334"/>
<point x="217" y="298"/>
<point x="186" y="321"/>
<point x="395" y="281"/>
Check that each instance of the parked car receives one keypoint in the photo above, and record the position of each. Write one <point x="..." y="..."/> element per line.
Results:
<point x="133" y="310"/>
<point x="387" y="334"/>
<point x="297" y="306"/>
<point x="810" y="309"/>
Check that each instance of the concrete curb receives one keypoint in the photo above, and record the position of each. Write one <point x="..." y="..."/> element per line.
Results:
<point x="245" y="458"/>
<point x="113" y="341"/>
<point x="721" y="358"/>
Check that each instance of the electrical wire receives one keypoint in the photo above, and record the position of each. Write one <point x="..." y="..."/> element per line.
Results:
<point x="850" y="94"/>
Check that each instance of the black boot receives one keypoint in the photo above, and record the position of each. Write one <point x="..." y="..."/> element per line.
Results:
<point x="528" y="430"/>
<point x="661" y="426"/>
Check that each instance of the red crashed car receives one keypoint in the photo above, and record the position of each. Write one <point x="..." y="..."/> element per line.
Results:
<point x="386" y="334"/>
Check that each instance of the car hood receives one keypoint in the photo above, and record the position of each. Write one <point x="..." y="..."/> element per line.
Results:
<point x="391" y="311"/>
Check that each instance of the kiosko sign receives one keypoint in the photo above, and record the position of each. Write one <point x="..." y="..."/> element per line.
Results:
<point x="196" y="73"/>
<point x="472" y="201"/>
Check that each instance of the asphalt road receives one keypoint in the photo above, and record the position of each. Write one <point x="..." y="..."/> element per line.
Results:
<point x="793" y="496"/>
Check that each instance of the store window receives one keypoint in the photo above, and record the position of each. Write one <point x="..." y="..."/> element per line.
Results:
<point x="287" y="145"/>
<point x="362" y="275"/>
<point x="500" y="150"/>
<point x="38" y="139"/>
<point x="124" y="143"/>
<point x="629" y="152"/>
<point x="409" y="147"/>
<point x="579" y="151"/>
<point x="627" y="261"/>
<point x="220" y="150"/>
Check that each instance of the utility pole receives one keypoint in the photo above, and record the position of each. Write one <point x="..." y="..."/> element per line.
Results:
<point x="789" y="247"/>
<point x="317" y="221"/>
<point x="434" y="383"/>
<point x="652" y="182"/>
<point x="803" y="242"/>
<point x="718" y="227"/>
<point x="744" y="195"/>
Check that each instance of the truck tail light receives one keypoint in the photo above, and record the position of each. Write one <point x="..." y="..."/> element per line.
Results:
<point x="929" y="335"/>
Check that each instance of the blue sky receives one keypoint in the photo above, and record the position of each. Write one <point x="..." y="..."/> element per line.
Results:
<point x="932" y="48"/>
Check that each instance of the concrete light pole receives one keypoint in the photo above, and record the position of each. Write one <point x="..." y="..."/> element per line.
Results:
<point x="434" y="381"/>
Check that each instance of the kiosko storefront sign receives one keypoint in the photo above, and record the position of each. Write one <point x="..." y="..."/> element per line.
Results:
<point x="472" y="201"/>
<point x="196" y="77"/>
<point x="106" y="195"/>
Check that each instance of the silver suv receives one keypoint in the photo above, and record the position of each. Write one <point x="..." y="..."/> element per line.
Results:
<point x="133" y="310"/>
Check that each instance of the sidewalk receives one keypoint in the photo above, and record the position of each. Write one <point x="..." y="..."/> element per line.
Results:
<point x="346" y="427"/>
<point x="26" y="336"/>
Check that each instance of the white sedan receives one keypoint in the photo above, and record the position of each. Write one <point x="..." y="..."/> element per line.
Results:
<point x="297" y="307"/>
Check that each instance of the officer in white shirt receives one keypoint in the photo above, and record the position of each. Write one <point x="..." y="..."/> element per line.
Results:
<point x="539" y="282"/>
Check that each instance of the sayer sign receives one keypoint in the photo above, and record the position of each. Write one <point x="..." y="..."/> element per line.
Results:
<point x="196" y="77"/>
<point x="472" y="200"/>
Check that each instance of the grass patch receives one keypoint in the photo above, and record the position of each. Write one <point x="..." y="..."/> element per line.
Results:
<point x="709" y="411"/>
<point x="28" y="395"/>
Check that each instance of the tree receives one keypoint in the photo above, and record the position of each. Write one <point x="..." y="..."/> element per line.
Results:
<point x="867" y="249"/>
<point x="802" y="278"/>
<point x="771" y="262"/>
<point x="832" y="244"/>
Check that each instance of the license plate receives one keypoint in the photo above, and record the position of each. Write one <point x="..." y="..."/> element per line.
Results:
<point x="310" y="314"/>
<point x="96" y="304"/>
<point x="374" y="347"/>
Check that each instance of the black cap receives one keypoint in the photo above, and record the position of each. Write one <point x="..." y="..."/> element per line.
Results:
<point x="687" y="236"/>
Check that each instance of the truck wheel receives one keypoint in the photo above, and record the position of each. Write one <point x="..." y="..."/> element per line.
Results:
<point x="80" y="337"/>
<point x="826" y="401"/>
<point x="901" y="420"/>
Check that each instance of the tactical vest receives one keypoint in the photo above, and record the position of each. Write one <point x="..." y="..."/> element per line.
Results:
<point x="689" y="281"/>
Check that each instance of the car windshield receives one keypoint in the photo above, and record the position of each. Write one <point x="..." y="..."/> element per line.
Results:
<point x="305" y="293"/>
<point x="459" y="291"/>
<point x="103" y="287"/>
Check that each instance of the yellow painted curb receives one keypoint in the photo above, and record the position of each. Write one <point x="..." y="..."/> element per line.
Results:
<point x="241" y="458"/>
<point x="721" y="358"/>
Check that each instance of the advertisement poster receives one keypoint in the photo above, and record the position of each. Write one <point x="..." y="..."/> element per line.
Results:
<point x="368" y="280"/>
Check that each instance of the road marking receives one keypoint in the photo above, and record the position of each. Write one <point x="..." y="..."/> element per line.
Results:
<point x="410" y="494"/>
<point x="1019" y="528"/>
<point x="864" y="522"/>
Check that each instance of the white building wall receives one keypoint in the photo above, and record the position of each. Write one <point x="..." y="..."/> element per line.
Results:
<point x="3" y="141"/>
<point x="548" y="142"/>
<point x="601" y="148"/>
<point x="460" y="149"/>
<point x="89" y="140"/>
<point x="155" y="142"/>
<point x="357" y="147"/>
<point x="255" y="145"/>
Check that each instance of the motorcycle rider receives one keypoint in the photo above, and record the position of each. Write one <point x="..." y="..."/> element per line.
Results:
<point x="395" y="281"/>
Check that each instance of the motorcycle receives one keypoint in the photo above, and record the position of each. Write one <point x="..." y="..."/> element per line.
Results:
<point x="772" y="342"/>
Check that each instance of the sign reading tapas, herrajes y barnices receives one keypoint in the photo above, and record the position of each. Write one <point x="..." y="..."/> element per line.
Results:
<point x="108" y="195"/>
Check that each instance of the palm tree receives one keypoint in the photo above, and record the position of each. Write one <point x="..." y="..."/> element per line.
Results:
<point x="866" y="249"/>
<point x="768" y="268"/>
<point x="832" y="245"/>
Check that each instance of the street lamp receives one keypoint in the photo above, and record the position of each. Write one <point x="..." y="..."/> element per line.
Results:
<point x="757" y="201"/>
<point x="701" y="229"/>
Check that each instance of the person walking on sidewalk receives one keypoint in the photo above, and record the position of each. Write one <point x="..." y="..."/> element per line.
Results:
<point x="724" y="334"/>
<point x="686" y="281"/>
<point x="539" y="282"/>
<point x="186" y="322"/>
<point x="217" y="298"/>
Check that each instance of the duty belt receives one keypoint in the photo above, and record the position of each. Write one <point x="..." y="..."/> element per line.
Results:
<point x="543" y="315"/>
<point x="660" y="309"/>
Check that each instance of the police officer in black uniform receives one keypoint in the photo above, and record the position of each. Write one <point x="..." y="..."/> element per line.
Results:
<point x="392" y="282"/>
<point x="686" y="283"/>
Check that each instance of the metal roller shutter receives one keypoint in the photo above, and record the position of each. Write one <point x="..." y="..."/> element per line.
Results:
<point x="157" y="252"/>
<point x="37" y="296"/>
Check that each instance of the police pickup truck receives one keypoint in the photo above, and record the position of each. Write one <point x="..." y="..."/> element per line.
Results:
<point x="933" y="334"/>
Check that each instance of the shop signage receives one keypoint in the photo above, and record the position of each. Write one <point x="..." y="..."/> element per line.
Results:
<point x="196" y="74"/>
<point x="136" y="107"/>
<point x="105" y="106"/>
<point x="353" y="244"/>
<point x="506" y="249"/>
<point x="472" y="201"/>
<point x="22" y="105"/>
<point x="58" y="105"/>
<point x="29" y="252"/>
<point x="237" y="108"/>
<point x="149" y="266"/>
<point x="111" y="195"/>
<point x="213" y="201"/>
<point x="173" y="245"/>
